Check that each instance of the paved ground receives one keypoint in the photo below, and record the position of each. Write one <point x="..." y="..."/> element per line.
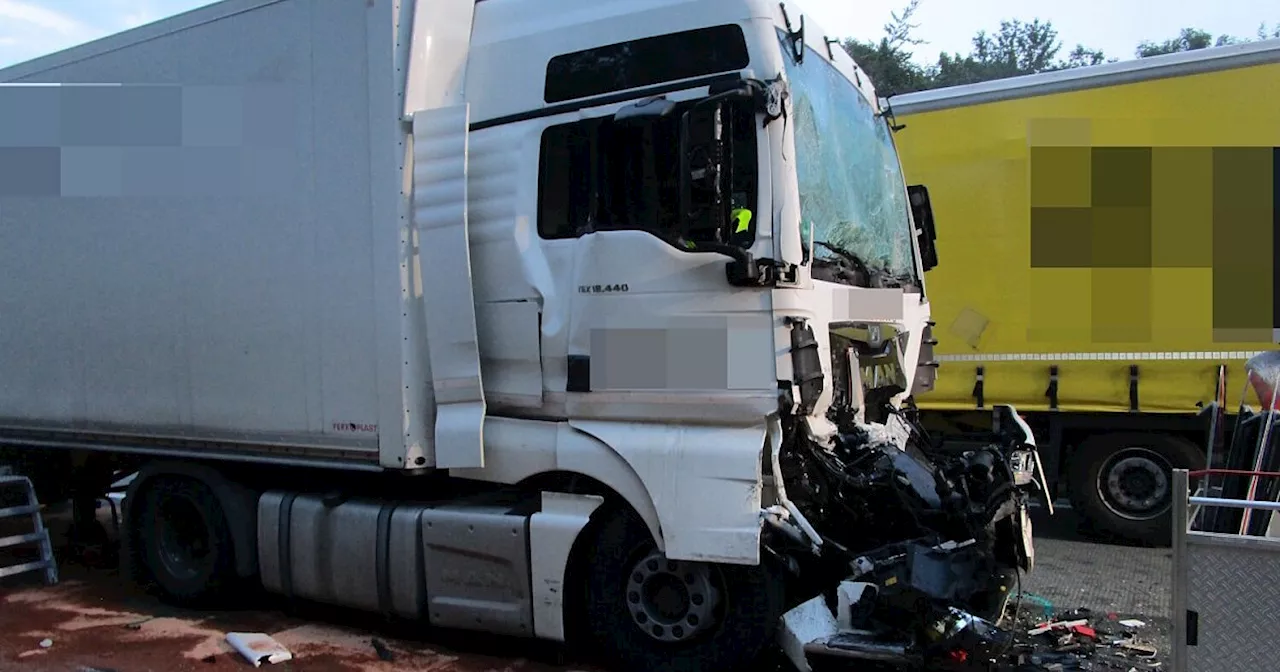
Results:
<point x="1075" y="572"/>
<point x="97" y="622"/>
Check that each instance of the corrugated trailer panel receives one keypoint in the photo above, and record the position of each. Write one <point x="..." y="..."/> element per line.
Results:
<point x="1099" y="228"/>
<point x="193" y="253"/>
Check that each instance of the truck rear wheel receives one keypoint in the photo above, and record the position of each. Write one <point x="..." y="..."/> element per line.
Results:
<point x="1123" y="483"/>
<point x="651" y="613"/>
<point x="184" y="539"/>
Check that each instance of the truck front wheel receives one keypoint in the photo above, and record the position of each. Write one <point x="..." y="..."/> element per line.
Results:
<point x="651" y="613"/>
<point x="184" y="540"/>
<point x="1123" y="483"/>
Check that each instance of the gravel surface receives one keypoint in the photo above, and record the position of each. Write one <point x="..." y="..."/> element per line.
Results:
<point x="96" y="621"/>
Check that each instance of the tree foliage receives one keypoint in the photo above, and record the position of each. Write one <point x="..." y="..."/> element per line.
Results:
<point x="1015" y="48"/>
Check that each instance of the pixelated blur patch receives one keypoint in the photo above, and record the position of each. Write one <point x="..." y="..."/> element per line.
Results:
<point x="1244" y="230"/>
<point x="1060" y="132"/>
<point x="148" y="140"/>
<point x="1121" y="237"/>
<point x="660" y="359"/>
<point x="1060" y="177"/>
<point x="1122" y="211"/>
<point x="1120" y="305"/>
<point x="1061" y="238"/>
<point x="1120" y="177"/>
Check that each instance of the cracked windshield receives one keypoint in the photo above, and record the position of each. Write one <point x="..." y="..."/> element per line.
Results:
<point x="852" y="195"/>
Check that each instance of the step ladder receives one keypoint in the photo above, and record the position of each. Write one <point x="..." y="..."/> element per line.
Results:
<point x="39" y="537"/>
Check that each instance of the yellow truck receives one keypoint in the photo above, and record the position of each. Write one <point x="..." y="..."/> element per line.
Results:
<point x="1106" y="241"/>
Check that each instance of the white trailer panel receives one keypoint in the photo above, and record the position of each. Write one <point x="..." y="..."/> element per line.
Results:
<point x="209" y="247"/>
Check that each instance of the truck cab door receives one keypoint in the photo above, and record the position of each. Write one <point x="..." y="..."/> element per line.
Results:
<point x="653" y="316"/>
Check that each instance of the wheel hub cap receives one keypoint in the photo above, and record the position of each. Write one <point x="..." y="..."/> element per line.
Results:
<point x="671" y="600"/>
<point x="1135" y="484"/>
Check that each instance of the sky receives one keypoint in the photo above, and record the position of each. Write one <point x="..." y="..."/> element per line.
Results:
<point x="31" y="28"/>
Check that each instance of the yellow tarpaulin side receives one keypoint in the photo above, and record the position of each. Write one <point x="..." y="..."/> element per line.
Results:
<point x="1133" y="218"/>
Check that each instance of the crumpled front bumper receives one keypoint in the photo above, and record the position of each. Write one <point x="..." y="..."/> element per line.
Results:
<point x="932" y="601"/>
<point x="899" y="608"/>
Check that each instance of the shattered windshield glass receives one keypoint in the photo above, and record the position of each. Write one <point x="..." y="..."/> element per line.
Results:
<point x="852" y="191"/>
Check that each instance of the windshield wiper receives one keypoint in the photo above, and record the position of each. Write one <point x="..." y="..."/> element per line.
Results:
<point x="853" y="259"/>
<point x="862" y="274"/>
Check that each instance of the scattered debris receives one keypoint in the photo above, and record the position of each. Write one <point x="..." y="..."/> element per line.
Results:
<point x="384" y="653"/>
<point x="1132" y="623"/>
<point x="1071" y="641"/>
<point x="1033" y="600"/>
<point x="46" y="643"/>
<point x="258" y="648"/>
<point x="137" y="625"/>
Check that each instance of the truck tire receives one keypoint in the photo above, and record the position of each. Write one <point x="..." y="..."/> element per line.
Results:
<point x="650" y="613"/>
<point x="185" y="544"/>
<point x="1123" y="483"/>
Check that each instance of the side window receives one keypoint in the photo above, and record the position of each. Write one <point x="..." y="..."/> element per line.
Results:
<point x="601" y="174"/>
<point x="645" y="62"/>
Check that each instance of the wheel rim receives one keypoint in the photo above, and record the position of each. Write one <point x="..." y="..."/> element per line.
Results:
<point x="1134" y="483"/>
<point x="183" y="537"/>
<point x="671" y="600"/>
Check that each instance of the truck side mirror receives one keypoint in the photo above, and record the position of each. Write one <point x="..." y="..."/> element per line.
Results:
<point x="926" y="234"/>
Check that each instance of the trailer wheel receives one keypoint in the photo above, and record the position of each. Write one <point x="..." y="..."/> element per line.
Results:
<point x="1123" y="483"/>
<point x="184" y="539"/>
<point x="651" y="613"/>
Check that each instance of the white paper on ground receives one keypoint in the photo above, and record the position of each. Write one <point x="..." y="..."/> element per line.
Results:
<point x="258" y="648"/>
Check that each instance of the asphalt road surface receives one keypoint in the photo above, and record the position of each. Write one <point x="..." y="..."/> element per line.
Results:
<point x="95" y="621"/>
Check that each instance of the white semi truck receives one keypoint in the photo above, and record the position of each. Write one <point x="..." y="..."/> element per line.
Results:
<point x="548" y="319"/>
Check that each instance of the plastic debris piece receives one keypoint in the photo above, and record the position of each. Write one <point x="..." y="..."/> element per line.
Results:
<point x="1141" y="649"/>
<point x="258" y="648"/>
<point x="1132" y="623"/>
<point x="1056" y="625"/>
<point x="384" y="653"/>
<point x="1085" y="631"/>
<point x="1044" y="604"/>
<point x="46" y="643"/>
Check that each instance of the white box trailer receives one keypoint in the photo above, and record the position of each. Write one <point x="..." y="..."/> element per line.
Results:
<point x="502" y="315"/>
<point x="205" y="239"/>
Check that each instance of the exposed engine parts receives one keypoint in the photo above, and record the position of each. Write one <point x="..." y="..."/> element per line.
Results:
<point x="920" y="543"/>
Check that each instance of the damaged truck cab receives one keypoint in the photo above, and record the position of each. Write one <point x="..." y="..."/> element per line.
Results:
<point x="744" y="324"/>
<point x="595" y="318"/>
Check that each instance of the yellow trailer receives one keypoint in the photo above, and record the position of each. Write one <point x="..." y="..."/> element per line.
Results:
<point x="1107" y="242"/>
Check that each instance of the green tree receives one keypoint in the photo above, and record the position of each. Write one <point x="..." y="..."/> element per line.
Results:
<point x="1189" y="39"/>
<point x="1264" y="35"/>
<point x="888" y="62"/>
<point x="1017" y="48"/>
<point x="1083" y="56"/>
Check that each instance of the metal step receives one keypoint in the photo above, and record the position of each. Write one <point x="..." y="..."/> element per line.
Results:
<point x="23" y="510"/>
<point x="46" y="565"/>
<point x="20" y="539"/>
<point x="39" y="535"/>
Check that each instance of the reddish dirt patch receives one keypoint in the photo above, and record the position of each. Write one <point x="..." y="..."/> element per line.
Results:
<point x="98" y="621"/>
